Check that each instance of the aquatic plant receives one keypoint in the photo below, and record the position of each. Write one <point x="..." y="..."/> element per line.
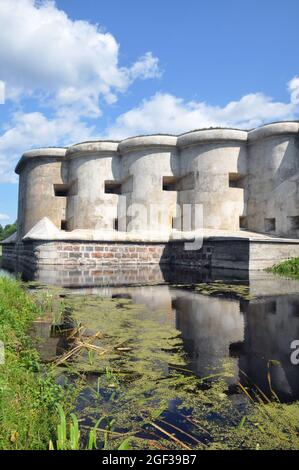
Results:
<point x="289" y="268"/>
<point x="140" y="383"/>
<point x="28" y="392"/>
<point x="219" y="289"/>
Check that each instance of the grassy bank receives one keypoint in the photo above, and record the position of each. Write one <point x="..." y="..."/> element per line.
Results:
<point x="28" y="393"/>
<point x="289" y="268"/>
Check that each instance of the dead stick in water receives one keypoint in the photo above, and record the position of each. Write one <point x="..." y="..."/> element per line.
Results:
<point x="182" y="432"/>
<point x="170" y="436"/>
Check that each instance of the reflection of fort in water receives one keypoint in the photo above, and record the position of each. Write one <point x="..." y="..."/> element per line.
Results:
<point x="251" y="333"/>
<point x="215" y="330"/>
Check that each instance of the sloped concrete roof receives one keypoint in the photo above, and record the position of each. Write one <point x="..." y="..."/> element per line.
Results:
<point x="11" y="239"/>
<point x="43" y="230"/>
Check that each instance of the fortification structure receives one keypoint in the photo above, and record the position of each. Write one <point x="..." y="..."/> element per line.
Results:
<point x="240" y="187"/>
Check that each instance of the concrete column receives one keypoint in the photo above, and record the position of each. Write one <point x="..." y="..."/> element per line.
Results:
<point x="273" y="161"/>
<point x="147" y="162"/>
<point x="91" y="165"/>
<point x="39" y="171"/>
<point x="213" y="172"/>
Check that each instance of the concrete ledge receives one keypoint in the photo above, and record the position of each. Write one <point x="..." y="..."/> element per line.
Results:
<point x="46" y="230"/>
<point x="272" y="130"/>
<point x="211" y="135"/>
<point x="136" y="143"/>
<point x="92" y="148"/>
<point x="55" y="152"/>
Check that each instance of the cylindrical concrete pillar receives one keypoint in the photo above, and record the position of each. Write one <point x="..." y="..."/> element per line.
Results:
<point x="150" y="170"/>
<point x="40" y="170"/>
<point x="94" y="179"/>
<point x="273" y="160"/>
<point x="213" y="172"/>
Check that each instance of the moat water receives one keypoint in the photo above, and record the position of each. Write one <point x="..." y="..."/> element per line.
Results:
<point x="160" y="330"/>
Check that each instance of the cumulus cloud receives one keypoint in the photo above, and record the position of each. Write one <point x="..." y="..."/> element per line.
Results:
<point x="293" y="86"/>
<point x="28" y="130"/>
<point x="4" y="217"/>
<point x="56" y="66"/>
<point x="67" y="63"/>
<point x="165" y="113"/>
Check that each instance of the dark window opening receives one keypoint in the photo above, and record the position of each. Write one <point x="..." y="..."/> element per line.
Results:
<point x="169" y="183"/>
<point x="61" y="190"/>
<point x="271" y="307"/>
<point x="236" y="180"/>
<point x="294" y="308"/>
<point x="115" y="224"/>
<point x="243" y="222"/>
<point x="270" y="225"/>
<point x="63" y="225"/>
<point x="294" y="222"/>
<point x="112" y="187"/>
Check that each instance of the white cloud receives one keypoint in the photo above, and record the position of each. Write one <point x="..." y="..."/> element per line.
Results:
<point x="165" y="113"/>
<point x="293" y="86"/>
<point x="146" y="67"/>
<point x="67" y="66"/>
<point x="67" y="63"/>
<point x="4" y="217"/>
<point x="34" y="129"/>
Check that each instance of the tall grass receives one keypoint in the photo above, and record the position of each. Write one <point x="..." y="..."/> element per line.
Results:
<point x="28" y="393"/>
<point x="289" y="268"/>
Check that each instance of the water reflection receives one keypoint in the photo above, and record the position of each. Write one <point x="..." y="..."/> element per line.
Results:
<point x="255" y="335"/>
<point x="114" y="275"/>
<point x="209" y="326"/>
<point x="249" y="335"/>
<point x="271" y="324"/>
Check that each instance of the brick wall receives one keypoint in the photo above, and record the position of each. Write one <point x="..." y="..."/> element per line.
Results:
<point x="76" y="253"/>
<point x="96" y="254"/>
<point x="218" y="253"/>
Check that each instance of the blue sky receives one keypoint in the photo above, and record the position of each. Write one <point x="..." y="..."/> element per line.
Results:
<point x="76" y="70"/>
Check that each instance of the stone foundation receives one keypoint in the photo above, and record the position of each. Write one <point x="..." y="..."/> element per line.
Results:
<point x="227" y="253"/>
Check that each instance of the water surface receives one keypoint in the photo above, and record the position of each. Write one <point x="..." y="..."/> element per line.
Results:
<point x="173" y="354"/>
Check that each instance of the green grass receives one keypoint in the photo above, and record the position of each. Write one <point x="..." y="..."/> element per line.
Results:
<point x="289" y="268"/>
<point x="28" y="392"/>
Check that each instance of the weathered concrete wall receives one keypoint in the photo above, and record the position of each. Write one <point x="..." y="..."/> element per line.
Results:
<point x="145" y="162"/>
<point x="240" y="179"/>
<point x="90" y="165"/>
<point x="216" y="159"/>
<point x="273" y="198"/>
<point x="39" y="171"/>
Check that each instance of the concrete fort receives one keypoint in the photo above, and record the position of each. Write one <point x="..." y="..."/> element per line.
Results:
<point x="139" y="201"/>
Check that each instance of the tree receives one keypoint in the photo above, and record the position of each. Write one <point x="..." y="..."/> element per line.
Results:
<point x="7" y="230"/>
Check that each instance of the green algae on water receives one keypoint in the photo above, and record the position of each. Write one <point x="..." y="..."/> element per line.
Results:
<point x="143" y="381"/>
<point x="220" y="289"/>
